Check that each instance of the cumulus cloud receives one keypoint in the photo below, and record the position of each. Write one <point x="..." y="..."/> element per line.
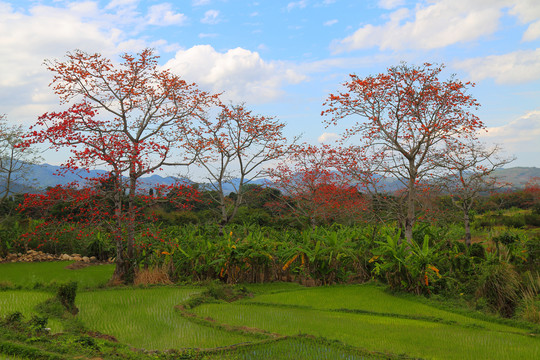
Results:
<point x="242" y="74"/>
<point x="432" y="25"/>
<point x="327" y="137"/>
<point x="519" y="135"/>
<point x="516" y="67"/>
<point x="532" y="32"/>
<point x="163" y="15"/>
<point x="47" y="32"/>
<point x="390" y="4"/>
<point x="528" y="11"/>
<point x="210" y="17"/>
<point x="26" y="39"/>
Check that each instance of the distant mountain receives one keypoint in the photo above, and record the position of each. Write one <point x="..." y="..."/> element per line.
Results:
<point x="232" y="185"/>
<point x="45" y="175"/>
<point x="517" y="176"/>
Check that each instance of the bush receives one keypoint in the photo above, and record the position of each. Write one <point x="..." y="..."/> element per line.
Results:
<point x="66" y="294"/>
<point x="532" y="219"/>
<point x="13" y="318"/>
<point x="37" y="323"/>
<point x="476" y="250"/>
<point x="506" y="238"/>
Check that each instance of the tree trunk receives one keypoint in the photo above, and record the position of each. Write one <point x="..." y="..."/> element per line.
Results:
<point x="410" y="217"/>
<point x="130" y="246"/>
<point x="466" y="222"/>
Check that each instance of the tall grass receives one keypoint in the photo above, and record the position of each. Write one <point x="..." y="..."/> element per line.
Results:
<point x="145" y="318"/>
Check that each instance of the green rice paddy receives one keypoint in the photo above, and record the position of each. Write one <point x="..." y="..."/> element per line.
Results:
<point x="335" y="322"/>
<point x="32" y="275"/>
<point x="146" y="318"/>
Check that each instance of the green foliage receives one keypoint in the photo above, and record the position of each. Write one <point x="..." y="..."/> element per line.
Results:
<point x="100" y="245"/>
<point x="66" y="294"/>
<point x="13" y="318"/>
<point x="37" y="323"/>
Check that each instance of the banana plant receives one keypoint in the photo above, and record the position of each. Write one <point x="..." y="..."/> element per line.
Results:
<point x="390" y="258"/>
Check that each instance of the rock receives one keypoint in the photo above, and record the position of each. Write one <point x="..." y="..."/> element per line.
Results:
<point x="65" y="257"/>
<point x="93" y="258"/>
<point x="86" y="259"/>
<point x="76" y="258"/>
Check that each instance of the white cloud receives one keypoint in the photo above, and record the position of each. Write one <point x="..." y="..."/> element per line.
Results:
<point x="26" y="40"/>
<point x="526" y="10"/>
<point x="327" y="137"/>
<point x="47" y="32"/>
<point x="330" y="22"/>
<point x="122" y="3"/>
<point x="210" y="17"/>
<point x="390" y="4"/>
<point x="516" y="67"/>
<point x="296" y="4"/>
<point x="200" y="2"/>
<point x="533" y="32"/>
<point x="433" y="25"/>
<point x="518" y="136"/>
<point x="163" y="15"/>
<point x="242" y="74"/>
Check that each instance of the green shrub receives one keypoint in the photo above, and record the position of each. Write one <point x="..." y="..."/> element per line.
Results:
<point x="13" y="318"/>
<point x="532" y="219"/>
<point x="37" y="323"/>
<point x="66" y="294"/>
<point x="476" y="250"/>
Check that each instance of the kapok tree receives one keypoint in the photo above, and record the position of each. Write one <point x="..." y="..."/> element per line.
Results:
<point x="81" y="211"/>
<point x="469" y="173"/>
<point x="131" y="118"/>
<point x="233" y="149"/>
<point x="409" y="118"/>
<point x="312" y="187"/>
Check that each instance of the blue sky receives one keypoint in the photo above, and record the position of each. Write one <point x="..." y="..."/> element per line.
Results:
<point x="283" y="58"/>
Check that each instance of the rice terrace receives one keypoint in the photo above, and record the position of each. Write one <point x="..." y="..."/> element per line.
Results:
<point x="206" y="319"/>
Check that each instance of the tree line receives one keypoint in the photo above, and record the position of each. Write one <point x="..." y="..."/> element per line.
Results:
<point x="134" y="118"/>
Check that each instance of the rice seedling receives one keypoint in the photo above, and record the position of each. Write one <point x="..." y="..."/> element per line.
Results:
<point x="34" y="275"/>
<point x="24" y="301"/>
<point x="10" y="357"/>
<point x="295" y="348"/>
<point x="370" y="299"/>
<point x="145" y="318"/>
<point x="379" y="333"/>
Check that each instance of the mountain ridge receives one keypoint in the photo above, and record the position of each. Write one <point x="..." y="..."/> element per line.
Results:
<point x="45" y="175"/>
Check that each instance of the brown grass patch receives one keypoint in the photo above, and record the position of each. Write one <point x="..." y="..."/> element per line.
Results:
<point x="152" y="276"/>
